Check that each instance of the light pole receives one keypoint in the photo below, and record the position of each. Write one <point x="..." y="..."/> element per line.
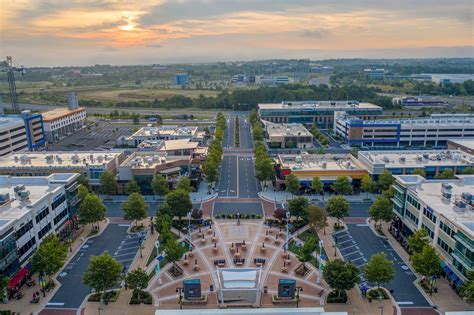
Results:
<point x="287" y="228"/>
<point x="320" y="266"/>
<point x="298" y="290"/>
<point x="157" y="268"/>
<point x="335" y="245"/>
<point x="189" y="230"/>
<point x="180" y="299"/>
<point x="381" y="305"/>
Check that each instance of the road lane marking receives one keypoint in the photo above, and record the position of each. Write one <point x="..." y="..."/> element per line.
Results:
<point x="55" y="304"/>
<point x="404" y="303"/>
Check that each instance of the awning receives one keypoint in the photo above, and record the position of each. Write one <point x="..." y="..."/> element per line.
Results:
<point x="454" y="277"/>
<point x="170" y="170"/>
<point x="20" y="275"/>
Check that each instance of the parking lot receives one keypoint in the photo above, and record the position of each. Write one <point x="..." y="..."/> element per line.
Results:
<point x="359" y="243"/>
<point x="122" y="246"/>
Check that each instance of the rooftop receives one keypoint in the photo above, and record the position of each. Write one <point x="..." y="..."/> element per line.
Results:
<point x="433" y="120"/>
<point x="425" y="158"/>
<point x="467" y="143"/>
<point x="180" y="144"/>
<point x="38" y="188"/>
<point x="59" y="112"/>
<point x="430" y="192"/>
<point x="315" y="162"/>
<point x="147" y="160"/>
<point x="57" y="159"/>
<point x="170" y="130"/>
<point x="275" y="130"/>
<point x="9" y="122"/>
<point x="309" y="105"/>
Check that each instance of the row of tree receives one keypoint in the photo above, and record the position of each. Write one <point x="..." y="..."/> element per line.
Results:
<point x="214" y="157"/>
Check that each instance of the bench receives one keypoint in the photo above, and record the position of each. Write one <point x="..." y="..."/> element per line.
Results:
<point x="239" y="261"/>
<point x="259" y="261"/>
<point x="219" y="262"/>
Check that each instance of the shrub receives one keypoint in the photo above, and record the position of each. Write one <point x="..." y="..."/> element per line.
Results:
<point x="334" y="298"/>
<point x="376" y="292"/>
<point x="145" y="297"/>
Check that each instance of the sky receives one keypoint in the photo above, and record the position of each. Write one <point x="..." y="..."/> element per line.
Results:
<point x="88" y="32"/>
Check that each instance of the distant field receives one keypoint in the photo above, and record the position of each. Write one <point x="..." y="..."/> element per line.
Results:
<point x="138" y="94"/>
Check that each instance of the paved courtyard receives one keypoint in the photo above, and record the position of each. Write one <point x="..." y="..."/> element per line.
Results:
<point x="224" y="241"/>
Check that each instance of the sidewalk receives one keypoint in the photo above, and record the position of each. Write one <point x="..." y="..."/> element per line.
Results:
<point x="201" y="194"/>
<point x="24" y="306"/>
<point x="122" y="306"/>
<point x="282" y="196"/>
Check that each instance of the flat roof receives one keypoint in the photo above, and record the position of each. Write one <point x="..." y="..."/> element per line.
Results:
<point x="318" y="162"/>
<point x="59" y="113"/>
<point x="275" y="130"/>
<point x="171" y="130"/>
<point x="430" y="192"/>
<point x="467" y="143"/>
<point x="434" y="120"/>
<point x="8" y="122"/>
<point x="416" y="159"/>
<point x="57" y="159"/>
<point x="38" y="188"/>
<point x="148" y="160"/>
<point x="337" y="105"/>
<point x="179" y="144"/>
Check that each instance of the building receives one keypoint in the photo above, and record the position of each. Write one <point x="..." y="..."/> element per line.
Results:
<point x="419" y="103"/>
<point x="272" y="80"/>
<point x="433" y="162"/>
<point x="12" y="135"/>
<point x="451" y="78"/>
<point x="445" y="209"/>
<point x="322" y="69"/>
<point x="326" y="166"/>
<point x="374" y="74"/>
<point x="34" y="130"/>
<point x="180" y="79"/>
<point x="62" y="122"/>
<point x="164" y="132"/>
<point x="287" y="136"/>
<point x="413" y="133"/>
<point x="30" y="209"/>
<point x="91" y="164"/>
<point x="183" y="147"/>
<point x="143" y="166"/>
<point x="316" y="113"/>
<point x="466" y="145"/>
<point x="239" y="79"/>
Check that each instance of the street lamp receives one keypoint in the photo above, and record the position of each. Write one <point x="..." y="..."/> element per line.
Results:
<point x="140" y="240"/>
<point x="381" y="305"/>
<point x="180" y="299"/>
<point x="335" y="245"/>
<point x="189" y="230"/>
<point x="298" y="290"/>
<point x="320" y="266"/>
<point x="287" y="228"/>
<point x="157" y="268"/>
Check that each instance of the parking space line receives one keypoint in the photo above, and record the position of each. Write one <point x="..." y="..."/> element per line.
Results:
<point x="357" y="251"/>
<point x="128" y="254"/>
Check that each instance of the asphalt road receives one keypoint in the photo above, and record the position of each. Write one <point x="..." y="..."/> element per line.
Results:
<point x="116" y="241"/>
<point x="114" y="209"/>
<point x="247" y="183"/>
<point x="228" y="176"/>
<point x="245" y="135"/>
<point x="229" y="133"/>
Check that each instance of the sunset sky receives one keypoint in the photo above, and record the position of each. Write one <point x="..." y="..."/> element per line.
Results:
<point x="85" y="32"/>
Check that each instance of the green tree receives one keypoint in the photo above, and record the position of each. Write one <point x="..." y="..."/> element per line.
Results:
<point x="385" y="180"/>
<point x="379" y="269"/>
<point x="292" y="184"/>
<point x="4" y="281"/>
<point x="108" y="183"/>
<point x="264" y="169"/>
<point x="306" y="251"/>
<point x="298" y="207"/>
<point x="185" y="184"/>
<point x="446" y="174"/>
<point x="367" y="184"/>
<point x="257" y="132"/>
<point x="468" y="171"/>
<point x="137" y="280"/>
<point x="342" y="186"/>
<point x="82" y="180"/>
<point x="179" y="203"/>
<point x="426" y="262"/>
<point x="419" y="171"/>
<point x="102" y="273"/>
<point x="337" y="207"/>
<point x="466" y="290"/>
<point x="417" y="241"/>
<point x="159" y="185"/>
<point x="91" y="209"/>
<point x="132" y="187"/>
<point x="317" y="218"/>
<point x="173" y="252"/>
<point x="50" y="256"/>
<point x="381" y="210"/>
<point x="210" y="168"/>
<point x="135" y="208"/>
<point x="317" y="185"/>
<point x="82" y="191"/>
<point x="340" y="275"/>
<point x="389" y="193"/>
<point x="162" y="222"/>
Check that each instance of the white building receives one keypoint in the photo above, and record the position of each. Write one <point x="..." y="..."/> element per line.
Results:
<point x="12" y="135"/>
<point x="30" y="209"/>
<point x="287" y="136"/>
<point x="165" y="132"/>
<point x="271" y="80"/>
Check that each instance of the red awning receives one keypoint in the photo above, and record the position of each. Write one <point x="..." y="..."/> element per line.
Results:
<point x="20" y="275"/>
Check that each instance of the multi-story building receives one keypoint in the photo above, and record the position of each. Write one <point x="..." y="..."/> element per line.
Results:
<point x="445" y="209"/>
<point x="239" y="79"/>
<point x="287" y="136"/>
<point x="180" y="79"/>
<point x="30" y="209"/>
<point x="419" y="103"/>
<point x="165" y="132"/>
<point x="34" y="130"/>
<point x="320" y="114"/>
<point x="91" y="164"/>
<point x="326" y="166"/>
<point x="12" y="135"/>
<point x="272" y="80"/>
<point x="433" y="162"/>
<point x="374" y="74"/>
<point x="466" y="145"/>
<point x="413" y="133"/>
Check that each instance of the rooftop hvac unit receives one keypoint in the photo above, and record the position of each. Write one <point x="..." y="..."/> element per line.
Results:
<point x="419" y="158"/>
<point x="446" y="186"/>
<point x="402" y="159"/>
<point x="324" y="165"/>
<point x="467" y="197"/>
<point x="385" y="159"/>
<point x="18" y="188"/>
<point x="461" y="204"/>
<point x="24" y="194"/>
<point x="447" y="194"/>
<point x="4" y="198"/>
<point x="100" y="159"/>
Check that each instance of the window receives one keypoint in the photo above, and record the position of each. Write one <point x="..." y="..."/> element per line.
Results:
<point x="25" y="228"/>
<point x="59" y="200"/>
<point x="60" y="216"/>
<point x="411" y="216"/>
<point x="413" y="202"/>
<point x="25" y="248"/>
<point x="427" y="229"/>
<point x="44" y="231"/>
<point x="42" y="214"/>
<point x="446" y="229"/>
<point x="445" y="246"/>
<point x="428" y="212"/>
